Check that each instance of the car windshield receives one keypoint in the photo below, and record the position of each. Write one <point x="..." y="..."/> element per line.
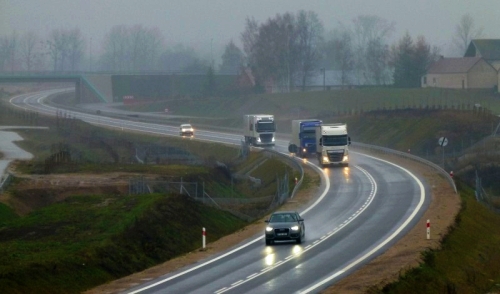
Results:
<point x="282" y="218"/>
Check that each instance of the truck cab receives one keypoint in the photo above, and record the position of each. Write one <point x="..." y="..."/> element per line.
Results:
<point x="303" y="140"/>
<point x="332" y="144"/>
<point x="259" y="129"/>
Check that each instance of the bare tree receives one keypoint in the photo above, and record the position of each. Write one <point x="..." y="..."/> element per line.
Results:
<point x="232" y="59"/>
<point x="424" y="57"/>
<point x="57" y="44"/>
<point x="8" y="49"/>
<point x="4" y="52"/>
<point x="275" y="52"/>
<point x="75" y="47"/>
<point x="132" y="48"/>
<point x="309" y="36"/>
<point x="116" y="45"/>
<point x="343" y="55"/>
<point x="144" y="47"/>
<point x="29" y="50"/>
<point x="249" y="38"/>
<point x="369" y="29"/>
<point x="465" y="31"/>
<point x="377" y="57"/>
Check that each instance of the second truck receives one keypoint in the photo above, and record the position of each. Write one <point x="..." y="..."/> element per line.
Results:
<point x="303" y="140"/>
<point x="332" y="144"/>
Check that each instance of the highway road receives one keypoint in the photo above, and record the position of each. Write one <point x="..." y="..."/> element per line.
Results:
<point x="362" y="211"/>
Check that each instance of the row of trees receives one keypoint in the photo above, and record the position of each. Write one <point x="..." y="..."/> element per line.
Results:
<point x="287" y="50"/>
<point x="62" y="50"/>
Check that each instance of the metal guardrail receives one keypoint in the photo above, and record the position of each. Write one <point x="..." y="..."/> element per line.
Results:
<point x="444" y="173"/>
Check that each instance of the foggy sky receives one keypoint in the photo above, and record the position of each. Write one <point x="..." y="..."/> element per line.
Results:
<point x="201" y="23"/>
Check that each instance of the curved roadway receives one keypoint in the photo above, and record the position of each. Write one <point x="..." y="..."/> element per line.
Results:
<point x="363" y="210"/>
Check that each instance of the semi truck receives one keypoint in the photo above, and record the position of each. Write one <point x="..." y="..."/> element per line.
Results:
<point x="332" y="144"/>
<point x="259" y="129"/>
<point x="303" y="141"/>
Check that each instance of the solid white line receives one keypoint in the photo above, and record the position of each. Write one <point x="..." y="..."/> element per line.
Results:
<point x="392" y="236"/>
<point x="371" y="197"/>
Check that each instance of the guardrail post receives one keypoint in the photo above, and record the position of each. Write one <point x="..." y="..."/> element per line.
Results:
<point x="428" y="229"/>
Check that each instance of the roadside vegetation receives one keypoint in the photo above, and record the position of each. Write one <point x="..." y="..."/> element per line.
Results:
<point x="406" y="120"/>
<point x="468" y="260"/>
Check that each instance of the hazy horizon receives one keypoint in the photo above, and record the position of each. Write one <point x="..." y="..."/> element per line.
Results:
<point x="200" y="24"/>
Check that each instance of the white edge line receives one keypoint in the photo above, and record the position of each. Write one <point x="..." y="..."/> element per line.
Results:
<point x="392" y="236"/>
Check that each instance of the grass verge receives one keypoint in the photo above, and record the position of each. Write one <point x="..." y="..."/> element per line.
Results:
<point x="468" y="260"/>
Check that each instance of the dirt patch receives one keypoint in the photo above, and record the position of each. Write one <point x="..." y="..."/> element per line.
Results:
<point x="404" y="255"/>
<point x="37" y="191"/>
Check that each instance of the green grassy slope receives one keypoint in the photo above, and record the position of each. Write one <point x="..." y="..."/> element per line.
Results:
<point x="468" y="261"/>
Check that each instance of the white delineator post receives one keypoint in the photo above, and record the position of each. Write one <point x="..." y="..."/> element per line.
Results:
<point x="204" y="238"/>
<point x="428" y="229"/>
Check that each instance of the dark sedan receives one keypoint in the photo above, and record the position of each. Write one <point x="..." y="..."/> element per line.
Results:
<point x="285" y="225"/>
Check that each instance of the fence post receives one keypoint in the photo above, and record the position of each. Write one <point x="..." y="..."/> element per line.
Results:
<point x="204" y="238"/>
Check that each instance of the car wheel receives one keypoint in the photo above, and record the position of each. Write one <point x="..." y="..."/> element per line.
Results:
<point x="268" y="242"/>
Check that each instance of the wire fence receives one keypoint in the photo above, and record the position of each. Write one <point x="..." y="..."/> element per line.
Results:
<point x="490" y="201"/>
<point x="227" y="200"/>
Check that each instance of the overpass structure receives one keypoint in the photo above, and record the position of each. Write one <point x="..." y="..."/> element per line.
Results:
<point x="88" y="87"/>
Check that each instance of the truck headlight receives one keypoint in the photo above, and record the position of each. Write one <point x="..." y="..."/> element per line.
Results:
<point x="304" y="150"/>
<point x="325" y="159"/>
<point x="269" y="229"/>
<point x="295" y="228"/>
<point x="346" y="158"/>
<point x="273" y="139"/>
<point x="258" y="139"/>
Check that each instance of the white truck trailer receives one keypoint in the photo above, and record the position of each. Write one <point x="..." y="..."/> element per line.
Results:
<point x="259" y="129"/>
<point x="303" y="140"/>
<point x="332" y="144"/>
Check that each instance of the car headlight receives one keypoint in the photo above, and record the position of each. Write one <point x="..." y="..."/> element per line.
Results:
<point x="295" y="228"/>
<point x="269" y="229"/>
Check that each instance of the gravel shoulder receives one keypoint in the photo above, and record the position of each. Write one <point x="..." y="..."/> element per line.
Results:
<point x="404" y="255"/>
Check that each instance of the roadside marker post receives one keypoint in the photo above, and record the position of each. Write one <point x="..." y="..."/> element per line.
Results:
<point x="428" y="229"/>
<point x="204" y="233"/>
